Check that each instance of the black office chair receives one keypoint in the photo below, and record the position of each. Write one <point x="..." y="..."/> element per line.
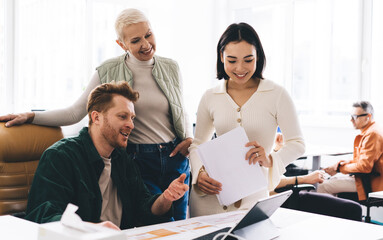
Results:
<point x="303" y="199"/>
<point x="292" y="202"/>
<point x="293" y="170"/>
<point x="369" y="202"/>
<point x="296" y="188"/>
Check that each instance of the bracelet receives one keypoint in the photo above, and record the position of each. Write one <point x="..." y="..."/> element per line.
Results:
<point x="296" y="181"/>
<point x="338" y="168"/>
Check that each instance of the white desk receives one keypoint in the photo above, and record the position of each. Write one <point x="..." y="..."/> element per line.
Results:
<point x="13" y="228"/>
<point x="378" y="195"/>
<point x="316" y="152"/>
<point x="292" y="224"/>
<point x="301" y="225"/>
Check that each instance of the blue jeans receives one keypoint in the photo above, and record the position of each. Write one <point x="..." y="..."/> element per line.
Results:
<point x="158" y="170"/>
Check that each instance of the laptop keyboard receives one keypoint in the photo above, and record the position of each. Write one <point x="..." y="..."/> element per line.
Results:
<point x="211" y="235"/>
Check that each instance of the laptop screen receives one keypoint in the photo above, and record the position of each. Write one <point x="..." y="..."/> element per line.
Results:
<point x="263" y="209"/>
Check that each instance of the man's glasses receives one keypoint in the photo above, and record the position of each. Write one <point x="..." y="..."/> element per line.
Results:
<point x="354" y="116"/>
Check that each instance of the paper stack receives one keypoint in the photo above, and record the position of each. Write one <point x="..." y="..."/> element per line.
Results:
<point x="71" y="227"/>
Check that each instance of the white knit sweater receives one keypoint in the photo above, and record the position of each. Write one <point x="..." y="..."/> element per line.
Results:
<point x="270" y="106"/>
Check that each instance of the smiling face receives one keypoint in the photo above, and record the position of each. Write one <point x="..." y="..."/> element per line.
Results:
<point x="239" y="60"/>
<point x="116" y="123"/>
<point x="139" y="41"/>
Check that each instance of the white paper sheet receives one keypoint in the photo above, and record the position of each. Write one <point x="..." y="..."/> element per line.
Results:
<point x="71" y="227"/>
<point x="224" y="161"/>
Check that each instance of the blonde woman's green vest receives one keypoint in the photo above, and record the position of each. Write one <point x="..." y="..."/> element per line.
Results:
<point x="166" y="73"/>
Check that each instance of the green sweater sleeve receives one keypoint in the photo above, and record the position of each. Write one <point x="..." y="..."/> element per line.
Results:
<point x="51" y="190"/>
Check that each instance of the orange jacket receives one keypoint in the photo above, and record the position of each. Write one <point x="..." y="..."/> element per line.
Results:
<point x="368" y="157"/>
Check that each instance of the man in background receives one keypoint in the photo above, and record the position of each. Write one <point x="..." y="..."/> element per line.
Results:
<point x="367" y="158"/>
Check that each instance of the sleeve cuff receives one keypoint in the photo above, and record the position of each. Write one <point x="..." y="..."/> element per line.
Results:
<point x="155" y="219"/>
<point x="275" y="172"/>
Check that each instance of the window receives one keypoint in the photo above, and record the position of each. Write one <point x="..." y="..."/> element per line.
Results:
<point x="327" y="55"/>
<point x="303" y="57"/>
<point x="313" y="48"/>
<point x="49" y="53"/>
<point x="102" y="36"/>
<point x="3" y="86"/>
<point x="58" y="44"/>
<point x="324" y="56"/>
<point x="320" y="53"/>
<point x="272" y="23"/>
<point x="377" y="59"/>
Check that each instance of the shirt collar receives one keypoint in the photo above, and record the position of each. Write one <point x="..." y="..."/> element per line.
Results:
<point x="264" y="86"/>
<point x="130" y="58"/>
<point x="367" y="127"/>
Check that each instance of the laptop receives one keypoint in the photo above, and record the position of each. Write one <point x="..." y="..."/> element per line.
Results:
<point x="256" y="224"/>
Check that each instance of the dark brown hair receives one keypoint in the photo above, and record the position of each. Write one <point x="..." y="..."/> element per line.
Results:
<point x="237" y="32"/>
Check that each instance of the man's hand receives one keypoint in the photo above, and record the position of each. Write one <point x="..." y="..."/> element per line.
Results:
<point x="176" y="189"/>
<point x="17" y="119"/>
<point x="182" y="147"/>
<point x="344" y="162"/>
<point x="207" y="184"/>
<point x="109" y="224"/>
<point x="331" y="170"/>
<point x="257" y="154"/>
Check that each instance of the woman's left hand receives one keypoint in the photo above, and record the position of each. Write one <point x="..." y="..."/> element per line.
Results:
<point x="257" y="154"/>
<point x="182" y="147"/>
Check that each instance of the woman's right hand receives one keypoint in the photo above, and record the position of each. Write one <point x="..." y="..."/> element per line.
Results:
<point x="17" y="119"/>
<point x="314" y="177"/>
<point x="207" y="184"/>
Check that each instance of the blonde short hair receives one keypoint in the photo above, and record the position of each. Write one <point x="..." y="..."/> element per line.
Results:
<point x="127" y="17"/>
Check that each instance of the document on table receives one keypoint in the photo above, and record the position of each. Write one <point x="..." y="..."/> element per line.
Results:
<point x="185" y="229"/>
<point x="224" y="161"/>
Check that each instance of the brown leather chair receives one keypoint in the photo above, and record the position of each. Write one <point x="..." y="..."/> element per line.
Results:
<point x="20" y="150"/>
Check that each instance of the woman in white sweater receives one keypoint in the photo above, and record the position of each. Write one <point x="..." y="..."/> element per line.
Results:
<point x="243" y="98"/>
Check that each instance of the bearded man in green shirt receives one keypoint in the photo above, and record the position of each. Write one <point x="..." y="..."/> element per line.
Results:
<point x="94" y="171"/>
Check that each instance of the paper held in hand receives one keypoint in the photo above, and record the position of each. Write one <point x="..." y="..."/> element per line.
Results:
<point x="224" y="161"/>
